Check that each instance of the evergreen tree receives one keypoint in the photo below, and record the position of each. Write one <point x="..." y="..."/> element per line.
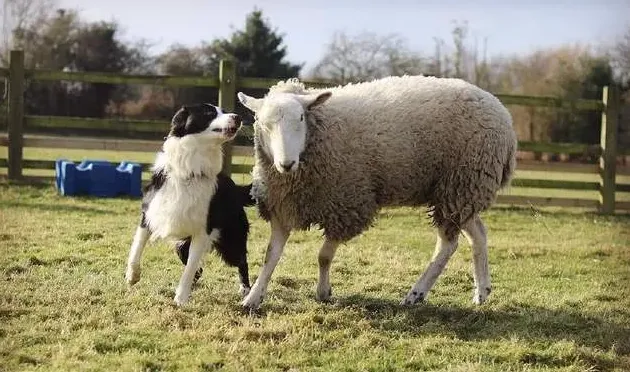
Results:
<point x="258" y="50"/>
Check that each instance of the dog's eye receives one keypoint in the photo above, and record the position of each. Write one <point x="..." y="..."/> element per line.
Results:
<point x="216" y="129"/>
<point x="302" y="117"/>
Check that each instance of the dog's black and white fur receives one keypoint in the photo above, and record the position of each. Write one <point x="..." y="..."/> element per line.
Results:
<point x="189" y="200"/>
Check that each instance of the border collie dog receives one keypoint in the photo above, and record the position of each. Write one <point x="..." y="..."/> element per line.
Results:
<point x="190" y="201"/>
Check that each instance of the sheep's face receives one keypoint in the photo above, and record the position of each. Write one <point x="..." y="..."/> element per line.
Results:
<point x="281" y="124"/>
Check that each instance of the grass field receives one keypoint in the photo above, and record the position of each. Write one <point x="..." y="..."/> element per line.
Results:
<point x="561" y="296"/>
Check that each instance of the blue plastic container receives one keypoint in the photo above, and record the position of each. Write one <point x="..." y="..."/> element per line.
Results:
<point x="98" y="178"/>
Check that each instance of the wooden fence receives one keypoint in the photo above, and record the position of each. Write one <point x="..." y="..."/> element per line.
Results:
<point x="19" y="124"/>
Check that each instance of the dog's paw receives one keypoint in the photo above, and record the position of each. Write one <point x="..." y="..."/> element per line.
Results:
<point x="243" y="290"/>
<point x="181" y="299"/>
<point x="132" y="276"/>
<point x="481" y="295"/>
<point x="413" y="297"/>
<point x="252" y="301"/>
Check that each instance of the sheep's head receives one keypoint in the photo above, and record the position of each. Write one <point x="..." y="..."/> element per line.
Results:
<point x="281" y="124"/>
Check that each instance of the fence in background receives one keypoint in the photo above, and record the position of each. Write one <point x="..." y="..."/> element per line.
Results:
<point x="228" y="82"/>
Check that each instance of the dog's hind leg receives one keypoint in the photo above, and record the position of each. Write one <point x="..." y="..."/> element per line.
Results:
<point x="199" y="245"/>
<point x="243" y="275"/>
<point x="135" y="254"/>
<point x="182" y="248"/>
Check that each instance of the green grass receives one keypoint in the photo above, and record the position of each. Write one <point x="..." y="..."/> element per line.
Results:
<point x="561" y="296"/>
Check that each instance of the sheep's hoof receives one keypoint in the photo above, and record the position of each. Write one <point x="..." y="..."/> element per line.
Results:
<point x="243" y="290"/>
<point x="481" y="296"/>
<point x="323" y="293"/>
<point x="132" y="276"/>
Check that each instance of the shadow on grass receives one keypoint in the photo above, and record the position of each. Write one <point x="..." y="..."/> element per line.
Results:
<point x="535" y="210"/>
<point x="33" y="183"/>
<point x="51" y="207"/>
<point x="521" y="321"/>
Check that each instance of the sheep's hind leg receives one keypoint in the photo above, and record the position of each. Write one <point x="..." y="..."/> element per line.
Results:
<point x="444" y="248"/>
<point x="277" y="241"/>
<point x="326" y="255"/>
<point x="475" y="232"/>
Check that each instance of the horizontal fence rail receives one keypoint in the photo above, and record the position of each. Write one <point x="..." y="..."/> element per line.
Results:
<point x="111" y="144"/>
<point x="121" y="130"/>
<point x="262" y="83"/>
<point x="146" y="167"/>
<point x="108" y="144"/>
<point x="113" y="78"/>
<point x="113" y="124"/>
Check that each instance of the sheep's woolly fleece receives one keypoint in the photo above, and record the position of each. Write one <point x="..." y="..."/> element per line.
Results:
<point x="397" y="141"/>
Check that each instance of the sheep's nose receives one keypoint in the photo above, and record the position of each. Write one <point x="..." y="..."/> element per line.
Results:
<point x="287" y="165"/>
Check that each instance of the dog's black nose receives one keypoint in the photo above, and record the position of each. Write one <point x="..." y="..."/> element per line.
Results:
<point x="237" y="119"/>
<point x="287" y="165"/>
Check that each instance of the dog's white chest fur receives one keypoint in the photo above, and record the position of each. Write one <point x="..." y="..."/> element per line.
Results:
<point x="180" y="208"/>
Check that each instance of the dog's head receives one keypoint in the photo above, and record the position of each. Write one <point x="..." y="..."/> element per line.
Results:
<point x="205" y="120"/>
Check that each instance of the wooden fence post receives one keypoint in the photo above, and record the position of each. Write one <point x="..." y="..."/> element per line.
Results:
<point x="16" y="113"/>
<point x="227" y="93"/>
<point x="608" y="143"/>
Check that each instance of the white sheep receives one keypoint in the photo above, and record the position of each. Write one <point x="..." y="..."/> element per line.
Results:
<point x="332" y="158"/>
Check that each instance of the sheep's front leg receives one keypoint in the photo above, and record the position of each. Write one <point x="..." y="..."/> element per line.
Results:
<point x="326" y="255"/>
<point x="277" y="241"/>
<point x="199" y="244"/>
<point x="444" y="249"/>
<point x="132" y="274"/>
<point x="475" y="232"/>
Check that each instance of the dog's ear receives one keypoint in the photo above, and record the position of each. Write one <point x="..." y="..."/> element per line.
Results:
<point x="178" y="123"/>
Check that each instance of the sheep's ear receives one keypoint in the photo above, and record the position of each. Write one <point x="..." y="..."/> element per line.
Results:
<point x="251" y="103"/>
<point x="313" y="100"/>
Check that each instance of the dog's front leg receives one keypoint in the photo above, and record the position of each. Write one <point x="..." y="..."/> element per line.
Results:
<point x="199" y="245"/>
<point x="135" y="254"/>
<point x="182" y="247"/>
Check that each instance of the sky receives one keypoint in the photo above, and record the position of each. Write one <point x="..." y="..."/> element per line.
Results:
<point x="511" y="27"/>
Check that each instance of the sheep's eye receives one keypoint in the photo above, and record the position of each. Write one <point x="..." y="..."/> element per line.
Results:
<point x="302" y="117"/>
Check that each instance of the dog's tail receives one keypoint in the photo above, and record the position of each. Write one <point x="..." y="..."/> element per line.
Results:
<point x="245" y="193"/>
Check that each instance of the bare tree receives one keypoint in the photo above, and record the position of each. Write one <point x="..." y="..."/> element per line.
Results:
<point x="182" y="60"/>
<point x="620" y="58"/>
<point x="367" y="56"/>
<point x="460" y="32"/>
<point x="20" y="15"/>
